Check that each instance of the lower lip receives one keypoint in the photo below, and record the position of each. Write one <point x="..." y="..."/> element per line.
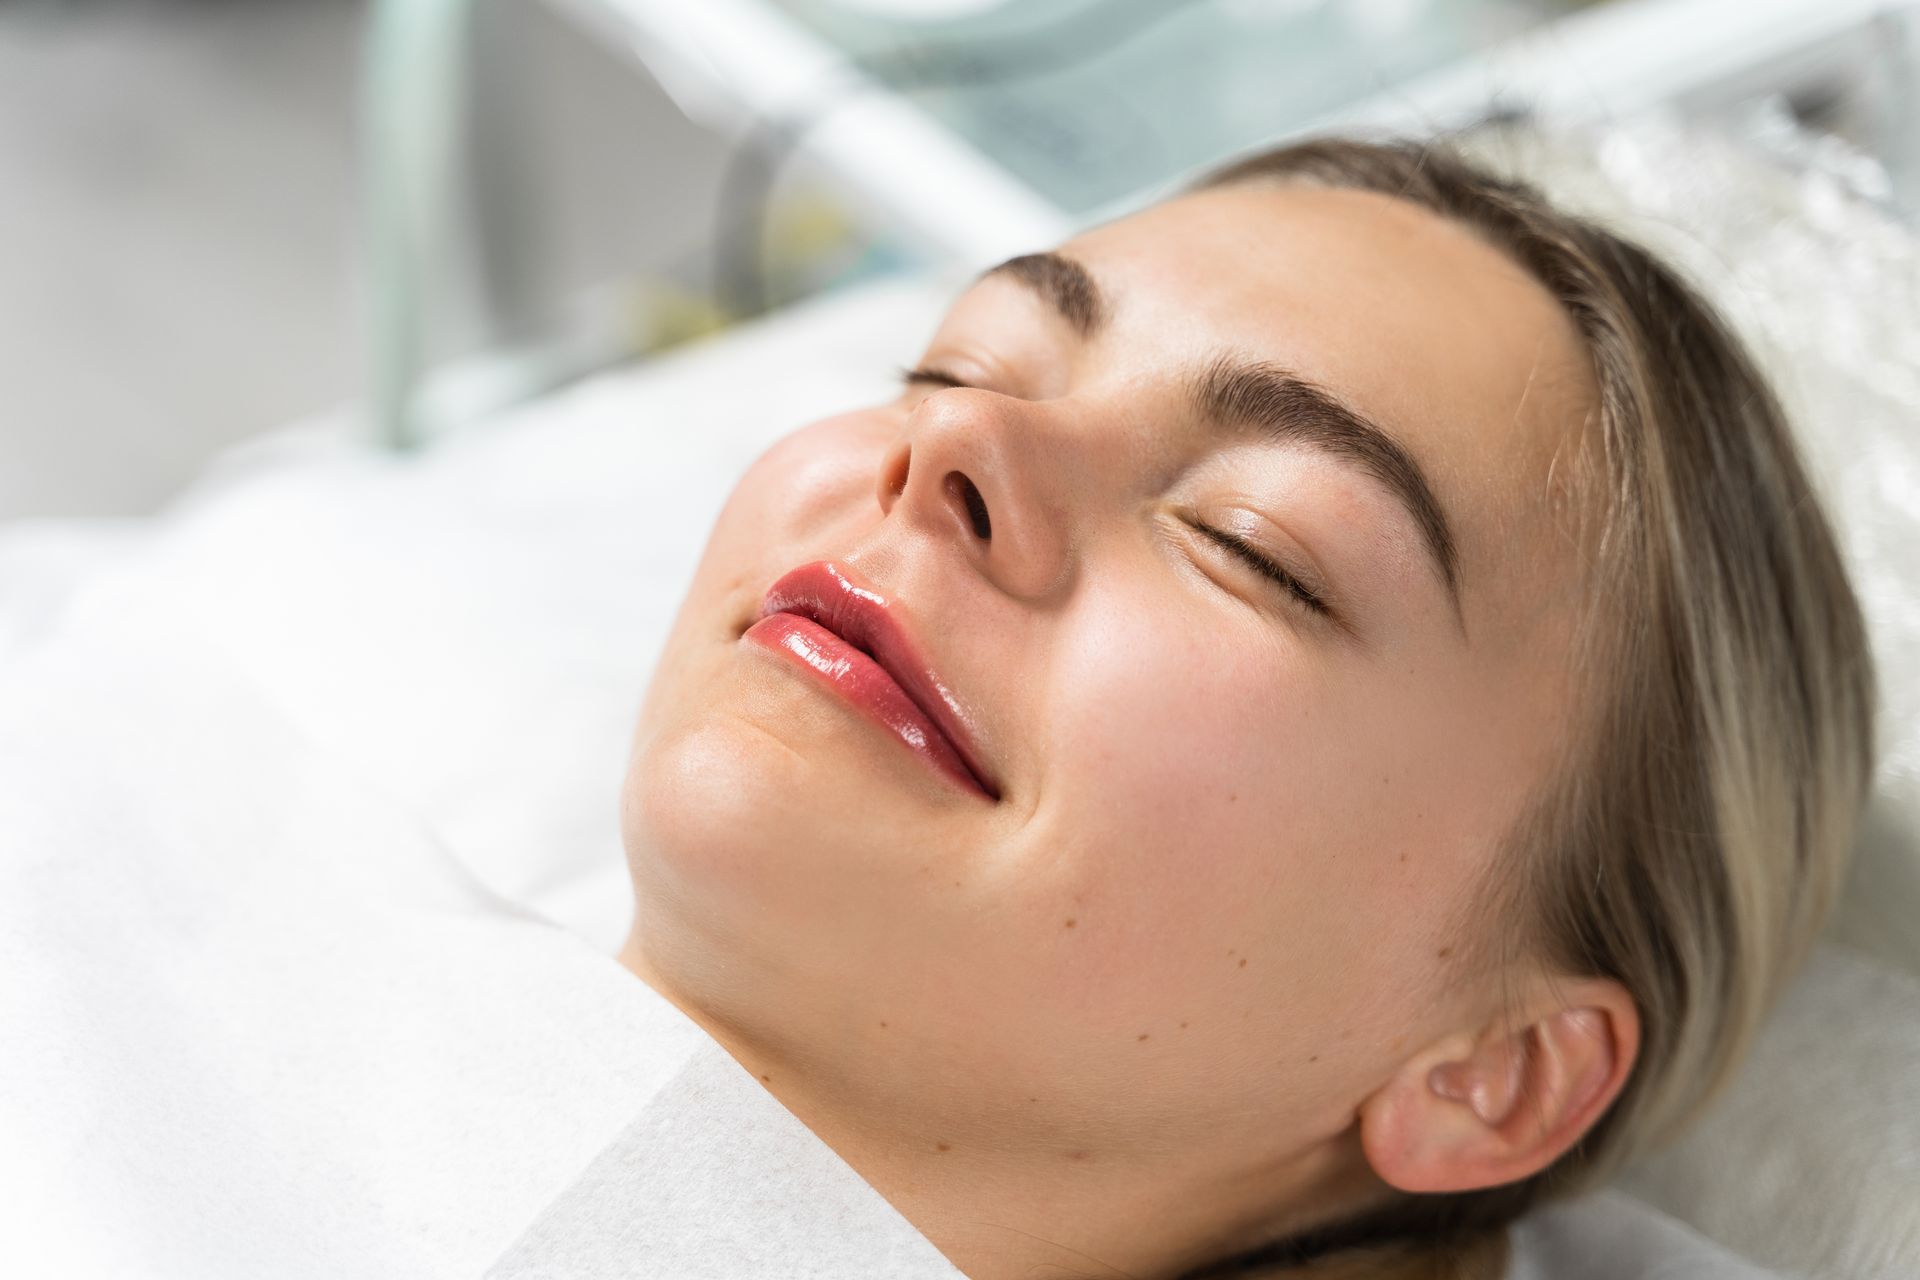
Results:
<point x="864" y="683"/>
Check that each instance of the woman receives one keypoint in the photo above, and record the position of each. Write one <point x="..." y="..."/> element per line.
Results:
<point x="1324" y="712"/>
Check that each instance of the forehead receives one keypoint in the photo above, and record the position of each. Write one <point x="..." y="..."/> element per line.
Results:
<point x="1410" y="317"/>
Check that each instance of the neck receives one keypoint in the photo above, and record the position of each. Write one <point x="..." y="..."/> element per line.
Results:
<point x="1010" y="1187"/>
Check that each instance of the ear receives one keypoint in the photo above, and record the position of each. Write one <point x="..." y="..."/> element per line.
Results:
<point x="1481" y="1108"/>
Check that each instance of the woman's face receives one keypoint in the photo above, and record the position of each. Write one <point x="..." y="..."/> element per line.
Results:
<point x="1238" y="817"/>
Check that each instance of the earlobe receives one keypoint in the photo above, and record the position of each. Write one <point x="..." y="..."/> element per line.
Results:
<point x="1479" y="1110"/>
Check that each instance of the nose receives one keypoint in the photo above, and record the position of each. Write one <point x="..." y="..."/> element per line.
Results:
<point x="972" y="467"/>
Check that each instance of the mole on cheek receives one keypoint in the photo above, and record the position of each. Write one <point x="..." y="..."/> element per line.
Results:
<point x="943" y="1146"/>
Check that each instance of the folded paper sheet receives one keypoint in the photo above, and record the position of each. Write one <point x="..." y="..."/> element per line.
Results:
<point x="260" y="1023"/>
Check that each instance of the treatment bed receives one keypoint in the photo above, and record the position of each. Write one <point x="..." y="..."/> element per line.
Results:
<point x="310" y="877"/>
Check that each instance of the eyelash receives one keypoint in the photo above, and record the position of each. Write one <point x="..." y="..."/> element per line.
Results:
<point x="1246" y="551"/>
<point x="1266" y="568"/>
<point x="923" y="375"/>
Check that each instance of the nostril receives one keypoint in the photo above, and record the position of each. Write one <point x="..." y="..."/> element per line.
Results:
<point x="976" y="505"/>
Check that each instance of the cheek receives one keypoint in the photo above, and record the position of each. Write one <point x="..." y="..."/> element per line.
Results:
<point x="1175" y="734"/>
<point x="795" y="499"/>
<point x="1232" y="846"/>
<point x="1166" y="748"/>
<point x="1188" y="722"/>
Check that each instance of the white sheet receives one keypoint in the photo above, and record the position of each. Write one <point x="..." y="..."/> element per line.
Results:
<point x="259" y="1022"/>
<point x="474" y="628"/>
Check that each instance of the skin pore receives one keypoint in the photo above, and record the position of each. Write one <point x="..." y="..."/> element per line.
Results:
<point x="1195" y="979"/>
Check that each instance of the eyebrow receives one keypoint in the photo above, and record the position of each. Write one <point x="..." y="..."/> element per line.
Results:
<point x="1063" y="283"/>
<point x="1281" y="407"/>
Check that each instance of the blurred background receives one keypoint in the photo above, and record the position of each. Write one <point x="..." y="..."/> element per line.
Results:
<point x="183" y="257"/>
<point x="218" y="217"/>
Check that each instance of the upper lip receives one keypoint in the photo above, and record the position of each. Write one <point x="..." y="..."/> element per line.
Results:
<point x="865" y="618"/>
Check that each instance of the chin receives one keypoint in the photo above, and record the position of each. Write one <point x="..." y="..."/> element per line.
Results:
<point x="716" y="806"/>
<point x="729" y="824"/>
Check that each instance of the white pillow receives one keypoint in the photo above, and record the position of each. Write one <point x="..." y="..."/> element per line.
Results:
<point x="1811" y="1161"/>
<point x="1611" y="1236"/>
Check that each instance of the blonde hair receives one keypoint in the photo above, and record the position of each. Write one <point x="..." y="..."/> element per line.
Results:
<point x="1696" y="832"/>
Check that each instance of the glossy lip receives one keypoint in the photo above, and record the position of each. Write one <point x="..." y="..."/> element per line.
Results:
<point x="852" y="638"/>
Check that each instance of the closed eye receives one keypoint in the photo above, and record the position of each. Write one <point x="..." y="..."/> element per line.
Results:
<point x="1252" y="556"/>
<point x="924" y="376"/>
<point x="1266" y="568"/>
